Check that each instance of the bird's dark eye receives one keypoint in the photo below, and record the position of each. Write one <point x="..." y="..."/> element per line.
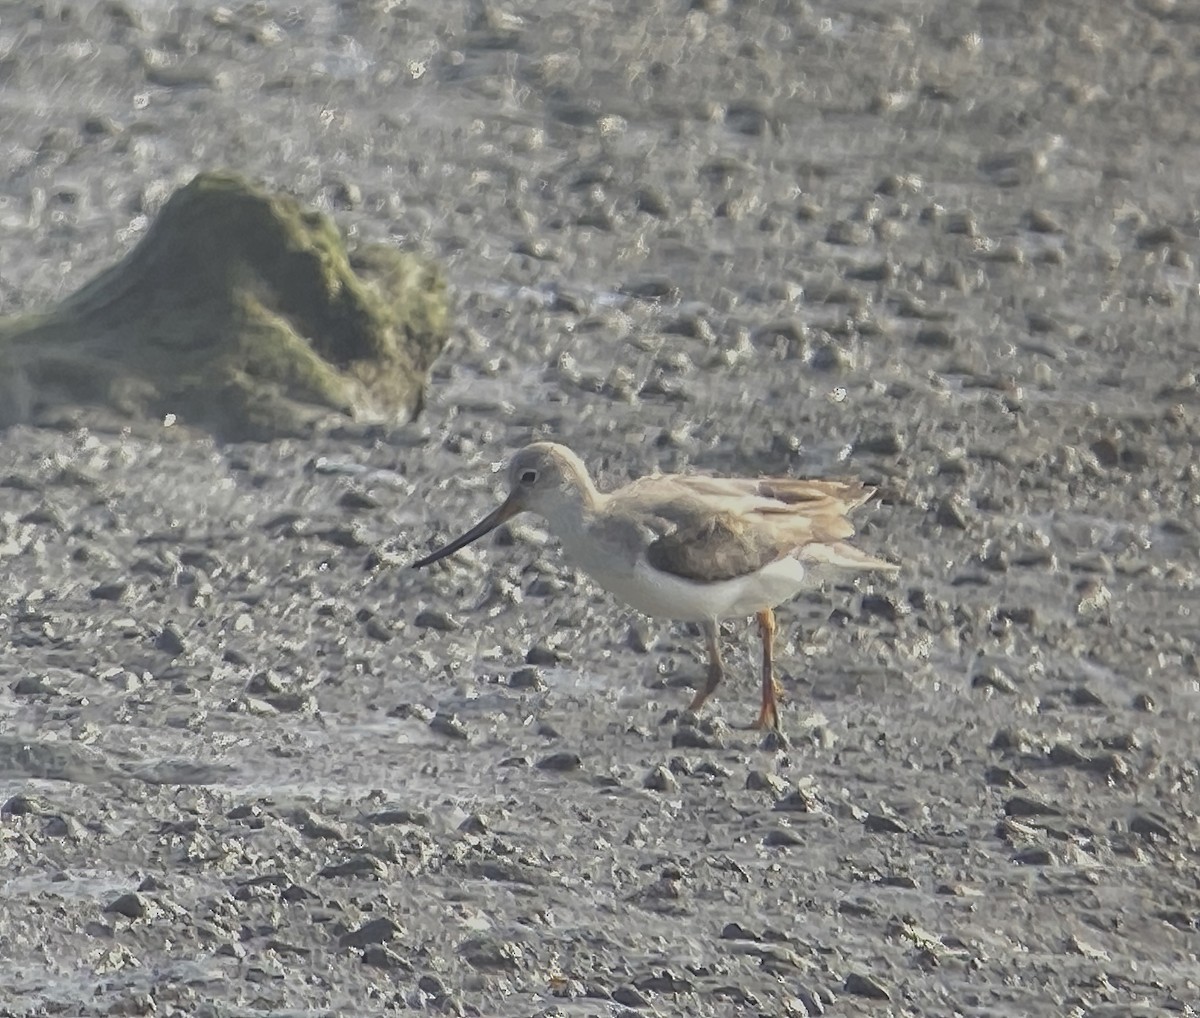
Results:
<point x="528" y="476"/>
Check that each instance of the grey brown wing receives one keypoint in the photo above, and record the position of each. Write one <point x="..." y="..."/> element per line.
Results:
<point x="717" y="547"/>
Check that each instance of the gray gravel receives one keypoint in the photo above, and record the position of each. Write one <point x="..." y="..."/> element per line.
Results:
<point x="252" y="764"/>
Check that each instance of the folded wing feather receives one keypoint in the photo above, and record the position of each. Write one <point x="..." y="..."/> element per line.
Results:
<point x="714" y="529"/>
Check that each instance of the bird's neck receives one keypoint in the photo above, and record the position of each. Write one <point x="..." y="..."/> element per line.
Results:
<point x="571" y="516"/>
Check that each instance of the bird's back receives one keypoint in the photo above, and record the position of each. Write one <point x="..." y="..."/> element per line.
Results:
<point x="715" y="528"/>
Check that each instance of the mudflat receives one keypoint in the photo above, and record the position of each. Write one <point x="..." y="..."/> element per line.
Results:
<point x="251" y="763"/>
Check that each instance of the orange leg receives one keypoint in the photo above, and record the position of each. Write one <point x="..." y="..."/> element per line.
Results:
<point x="768" y="715"/>
<point x="716" y="668"/>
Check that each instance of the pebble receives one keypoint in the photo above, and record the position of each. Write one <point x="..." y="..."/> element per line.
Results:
<point x="380" y="957"/>
<point x="876" y="823"/>
<point x="863" y="984"/>
<point x="563" y="762"/>
<point x="375" y="931"/>
<point x="659" y="779"/>
<point x="1027" y="806"/>
<point x="761" y="781"/>
<point x="528" y="677"/>
<point x="33" y="685"/>
<point x="782" y="837"/>
<point x="800" y="800"/>
<point x="170" y="640"/>
<point x="131" y="905"/>
<point x="112" y="591"/>
<point x="449" y="725"/>
<point x="432" y="618"/>
<point x="690" y="737"/>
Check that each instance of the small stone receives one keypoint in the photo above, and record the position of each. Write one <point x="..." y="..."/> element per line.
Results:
<point x="952" y="512"/>
<point x="936" y="338"/>
<point x="49" y="516"/>
<point x="1027" y="806"/>
<point x="170" y="640"/>
<point x="476" y="823"/>
<point x="877" y="823"/>
<point x="380" y="957"/>
<point x="680" y="765"/>
<point x="630" y="996"/>
<point x="356" y="500"/>
<point x="449" y="725"/>
<point x="376" y="931"/>
<point x="963" y="224"/>
<point x="131" y="905"/>
<point x="813" y="1005"/>
<point x="1147" y="825"/>
<point x="782" y="837"/>
<point x="378" y="630"/>
<point x="1001" y="777"/>
<point x="901" y="880"/>
<point x="1144" y="702"/>
<point x="847" y="233"/>
<point x="649" y="288"/>
<point x="991" y="677"/>
<point x="388" y="817"/>
<point x="802" y="800"/>
<point x="563" y="762"/>
<point x="653" y="202"/>
<point x="528" y="677"/>
<point x="33" y="685"/>
<point x="664" y="981"/>
<point x="439" y="620"/>
<point x="888" y="442"/>
<point x="641" y="638"/>
<point x="294" y="893"/>
<point x="690" y="737"/>
<point x="660" y="780"/>
<point x="1013" y="740"/>
<point x="1081" y="696"/>
<point x="24" y="805"/>
<point x="350" y="537"/>
<point x="1158" y="236"/>
<point x="1041" y="221"/>
<point x="1035" y="856"/>
<point x="1112" y="766"/>
<point x="774" y="740"/>
<point x="829" y="356"/>
<point x="861" y="984"/>
<point x="113" y="591"/>
<point x="540" y="654"/>
<point x="432" y="986"/>
<point x="761" y="781"/>
<point x="357" y="866"/>
<point x="310" y="825"/>
<point x="883" y="606"/>
<point x="493" y="954"/>
<point x="1063" y="754"/>
<point x="63" y="827"/>
<point x="1023" y="615"/>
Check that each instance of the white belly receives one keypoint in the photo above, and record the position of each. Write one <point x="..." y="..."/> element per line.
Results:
<point x="661" y="595"/>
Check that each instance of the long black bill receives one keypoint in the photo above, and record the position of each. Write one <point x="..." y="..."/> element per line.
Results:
<point x="508" y="509"/>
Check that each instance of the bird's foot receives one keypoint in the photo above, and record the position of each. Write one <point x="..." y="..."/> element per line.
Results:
<point x="768" y="717"/>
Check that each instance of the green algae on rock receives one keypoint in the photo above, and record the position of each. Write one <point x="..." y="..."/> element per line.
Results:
<point x="239" y="312"/>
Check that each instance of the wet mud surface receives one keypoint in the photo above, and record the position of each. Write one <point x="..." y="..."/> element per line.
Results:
<point x="251" y="763"/>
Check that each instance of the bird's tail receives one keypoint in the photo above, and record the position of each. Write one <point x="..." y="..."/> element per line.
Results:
<point x="841" y="555"/>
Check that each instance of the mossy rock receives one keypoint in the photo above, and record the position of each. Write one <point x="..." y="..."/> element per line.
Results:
<point x="241" y="313"/>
